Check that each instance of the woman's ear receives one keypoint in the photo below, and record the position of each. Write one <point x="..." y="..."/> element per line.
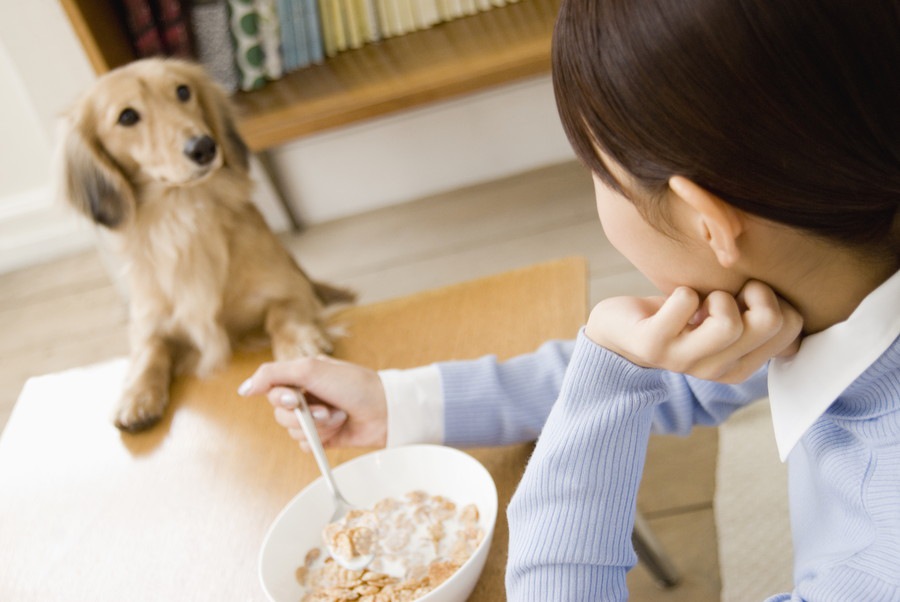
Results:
<point x="717" y="223"/>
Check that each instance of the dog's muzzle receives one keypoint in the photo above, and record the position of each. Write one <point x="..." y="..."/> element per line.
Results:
<point x="200" y="149"/>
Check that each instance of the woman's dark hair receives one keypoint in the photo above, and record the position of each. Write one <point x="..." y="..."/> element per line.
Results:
<point x="786" y="109"/>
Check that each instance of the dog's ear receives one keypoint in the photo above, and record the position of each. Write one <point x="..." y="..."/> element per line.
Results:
<point x="90" y="180"/>
<point x="218" y="111"/>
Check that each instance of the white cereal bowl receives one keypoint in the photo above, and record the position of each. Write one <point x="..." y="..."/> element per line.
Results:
<point x="434" y="469"/>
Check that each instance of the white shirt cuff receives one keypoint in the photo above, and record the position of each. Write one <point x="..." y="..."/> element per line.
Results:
<point x="415" y="405"/>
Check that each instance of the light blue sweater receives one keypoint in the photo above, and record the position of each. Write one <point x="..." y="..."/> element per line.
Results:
<point x="572" y="515"/>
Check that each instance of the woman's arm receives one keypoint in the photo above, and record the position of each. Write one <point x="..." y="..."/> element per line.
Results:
<point x="572" y="516"/>
<point x="486" y="402"/>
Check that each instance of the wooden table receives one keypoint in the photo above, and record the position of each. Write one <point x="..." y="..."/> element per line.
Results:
<point x="179" y="513"/>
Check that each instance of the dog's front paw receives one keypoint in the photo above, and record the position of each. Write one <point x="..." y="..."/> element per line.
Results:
<point x="211" y="361"/>
<point x="139" y="410"/>
<point x="215" y="351"/>
<point x="303" y="340"/>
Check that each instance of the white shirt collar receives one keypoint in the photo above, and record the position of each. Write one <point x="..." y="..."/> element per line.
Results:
<point x="802" y="387"/>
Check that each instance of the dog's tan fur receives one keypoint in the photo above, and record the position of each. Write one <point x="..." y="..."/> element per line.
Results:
<point x="203" y="269"/>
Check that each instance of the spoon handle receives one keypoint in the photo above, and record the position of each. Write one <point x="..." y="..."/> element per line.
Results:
<point x="315" y="444"/>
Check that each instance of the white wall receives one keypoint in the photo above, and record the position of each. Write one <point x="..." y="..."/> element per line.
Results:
<point x="42" y="68"/>
<point x="389" y="160"/>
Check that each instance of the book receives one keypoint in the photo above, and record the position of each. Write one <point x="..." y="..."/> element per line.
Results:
<point x="443" y="10"/>
<point x="389" y="18"/>
<point x="289" y="58"/>
<point x="212" y="41"/>
<point x="484" y="5"/>
<point x="172" y="22"/>
<point x="300" y="26"/>
<point x="313" y="25"/>
<point x="269" y="37"/>
<point x="368" y="20"/>
<point x="329" y="43"/>
<point x="425" y="13"/>
<point x="407" y="19"/>
<point x="143" y="30"/>
<point x="452" y="9"/>
<point x="340" y="25"/>
<point x="351" y="19"/>
<point x="469" y="7"/>
<point x="333" y="32"/>
<point x="249" y="57"/>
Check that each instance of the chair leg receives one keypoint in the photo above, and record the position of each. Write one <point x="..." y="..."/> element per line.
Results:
<point x="650" y="552"/>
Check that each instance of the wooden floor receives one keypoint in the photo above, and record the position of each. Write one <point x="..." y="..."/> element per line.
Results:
<point x="68" y="313"/>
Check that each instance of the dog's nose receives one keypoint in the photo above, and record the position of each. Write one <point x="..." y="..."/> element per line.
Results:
<point x="200" y="149"/>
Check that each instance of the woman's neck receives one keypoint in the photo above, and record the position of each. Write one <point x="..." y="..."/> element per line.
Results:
<point x="823" y="280"/>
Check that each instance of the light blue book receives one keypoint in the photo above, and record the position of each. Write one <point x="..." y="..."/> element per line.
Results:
<point x="314" y="31"/>
<point x="288" y="40"/>
<point x="301" y="32"/>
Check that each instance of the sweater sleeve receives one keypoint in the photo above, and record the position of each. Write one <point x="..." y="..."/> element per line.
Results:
<point x="572" y="515"/>
<point x="487" y="402"/>
<point x="691" y="401"/>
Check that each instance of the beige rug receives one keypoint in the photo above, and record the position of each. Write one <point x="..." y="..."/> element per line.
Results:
<point x="755" y="554"/>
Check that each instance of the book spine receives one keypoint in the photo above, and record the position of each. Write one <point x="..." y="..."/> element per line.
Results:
<point x="270" y="37"/>
<point x="212" y="41"/>
<point x="143" y="30"/>
<point x="352" y="29"/>
<point x="418" y="17"/>
<point x="368" y="20"/>
<point x="248" y="53"/>
<point x="313" y="26"/>
<point x="288" y="41"/>
<point x="469" y="7"/>
<point x="386" y="17"/>
<point x="443" y="7"/>
<point x="406" y="17"/>
<point x="301" y="32"/>
<point x="338" y="21"/>
<point x="427" y="12"/>
<point x="173" y="27"/>
<point x="328" y="42"/>
<point x="454" y="8"/>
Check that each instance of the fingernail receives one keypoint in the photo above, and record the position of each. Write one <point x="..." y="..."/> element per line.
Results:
<point x="321" y="414"/>
<point x="245" y="387"/>
<point x="288" y="399"/>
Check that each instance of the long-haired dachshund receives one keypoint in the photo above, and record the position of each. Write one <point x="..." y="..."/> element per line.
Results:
<point x="151" y="153"/>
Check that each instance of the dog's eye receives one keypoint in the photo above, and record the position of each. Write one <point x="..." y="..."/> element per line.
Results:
<point x="183" y="92"/>
<point x="128" y="117"/>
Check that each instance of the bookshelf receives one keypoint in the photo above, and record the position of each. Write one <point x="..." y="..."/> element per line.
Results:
<point x="464" y="55"/>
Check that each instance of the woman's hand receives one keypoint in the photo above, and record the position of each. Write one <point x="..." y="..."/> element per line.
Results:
<point x="721" y="338"/>
<point x="347" y="401"/>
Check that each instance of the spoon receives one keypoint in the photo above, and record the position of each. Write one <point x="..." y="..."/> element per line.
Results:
<point x="341" y="505"/>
